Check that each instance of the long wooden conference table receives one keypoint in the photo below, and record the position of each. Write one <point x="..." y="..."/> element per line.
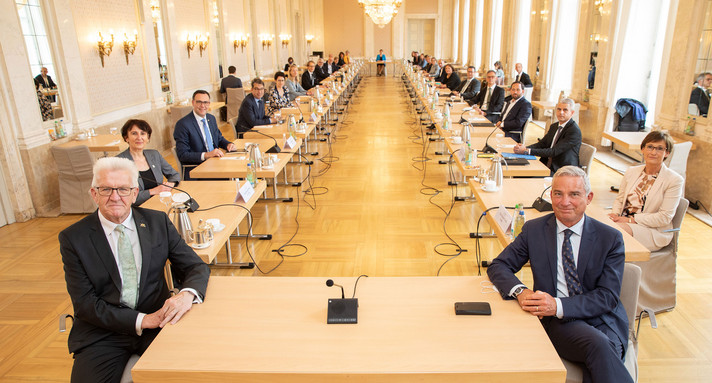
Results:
<point x="525" y="191"/>
<point x="275" y="330"/>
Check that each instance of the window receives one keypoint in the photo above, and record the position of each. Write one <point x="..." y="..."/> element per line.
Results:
<point x="33" y="29"/>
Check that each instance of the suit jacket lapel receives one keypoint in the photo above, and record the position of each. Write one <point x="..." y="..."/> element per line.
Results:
<point x="550" y="250"/>
<point x="103" y="250"/>
<point x="198" y="129"/>
<point x="144" y="237"/>
<point x="588" y="241"/>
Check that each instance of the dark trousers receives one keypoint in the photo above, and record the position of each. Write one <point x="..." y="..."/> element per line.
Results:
<point x="598" y="348"/>
<point x="105" y="360"/>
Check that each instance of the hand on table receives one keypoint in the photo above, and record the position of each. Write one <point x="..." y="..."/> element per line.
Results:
<point x="214" y="153"/>
<point x="538" y="303"/>
<point x="231" y="147"/>
<point x="520" y="149"/>
<point x="158" y="189"/>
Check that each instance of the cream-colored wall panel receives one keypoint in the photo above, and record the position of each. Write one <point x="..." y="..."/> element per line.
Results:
<point x="343" y="27"/>
<point x="264" y="26"/>
<point x="117" y="84"/>
<point x="190" y="18"/>
<point x="236" y="23"/>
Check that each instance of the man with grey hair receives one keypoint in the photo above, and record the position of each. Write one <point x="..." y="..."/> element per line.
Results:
<point x="113" y="265"/>
<point x="577" y="267"/>
<point x="561" y="143"/>
<point x="700" y="95"/>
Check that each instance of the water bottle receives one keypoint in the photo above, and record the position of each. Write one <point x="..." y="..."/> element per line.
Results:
<point x="250" y="174"/>
<point x="468" y="156"/>
<point x="519" y="220"/>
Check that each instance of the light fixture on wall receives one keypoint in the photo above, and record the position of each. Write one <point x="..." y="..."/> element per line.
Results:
<point x="130" y="45"/>
<point x="190" y="44"/>
<point x="155" y="10"/>
<point x="216" y="15"/>
<point x="285" y="39"/>
<point x="309" y="38"/>
<point x="104" y="46"/>
<point x="596" y="38"/>
<point x="240" y="41"/>
<point x="203" y="43"/>
<point x="266" y="40"/>
<point x="600" y="5"/>
<point x="380" y="11"/>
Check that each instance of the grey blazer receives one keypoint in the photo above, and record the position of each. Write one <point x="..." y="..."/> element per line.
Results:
<point x="158" y="166"/>
<point x="294" y="89"/>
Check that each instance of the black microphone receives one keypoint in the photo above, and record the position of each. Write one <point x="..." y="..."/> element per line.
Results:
<point x="540" y="204"/>
<point x="301" y="115"/>
<point x="488" y="149"/>
<point x="462" y="118"/>
<point x="275" y="148"/>
<point x="330" y="282"/>
<point x="191" y="203"/>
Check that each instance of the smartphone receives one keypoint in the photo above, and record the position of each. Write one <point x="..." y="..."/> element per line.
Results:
<point x="473" y="308"/>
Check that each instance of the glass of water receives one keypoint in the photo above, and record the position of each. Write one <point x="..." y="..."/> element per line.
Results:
<point x="114" y="130"/>
<point x="166" y="198"/>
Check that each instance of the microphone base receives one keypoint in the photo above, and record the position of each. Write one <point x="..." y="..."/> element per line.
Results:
<point x="489" y="150"/>
<point x="274" y="149"/>
<point x="541" y="205"/>
<point x="192" y="205"/>
<point x="342" y="311"/>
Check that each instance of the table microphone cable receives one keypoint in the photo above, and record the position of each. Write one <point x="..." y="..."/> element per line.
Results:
<point x="478" y="250"/>
<point x="458" y="249"/>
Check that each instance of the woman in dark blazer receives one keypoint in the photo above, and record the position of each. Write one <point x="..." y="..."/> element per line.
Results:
<point x="449" y="79"/>
<point x="151" y="165"/>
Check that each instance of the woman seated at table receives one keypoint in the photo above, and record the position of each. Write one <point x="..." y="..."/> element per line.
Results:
<point x="290" y="62"/>
<point x="151" y="165"/>
<point x="649" y="194"/>
<point x="278" y="94"/>
<point x="294" y="86"/>
<point x="449" y="79"/>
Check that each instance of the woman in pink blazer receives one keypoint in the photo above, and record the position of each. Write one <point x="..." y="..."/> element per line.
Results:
<point x="649" y="194"/>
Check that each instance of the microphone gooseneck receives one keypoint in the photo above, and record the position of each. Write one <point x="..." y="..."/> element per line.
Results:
<point x="330" y="283"/>
<point x="191" y="203"/>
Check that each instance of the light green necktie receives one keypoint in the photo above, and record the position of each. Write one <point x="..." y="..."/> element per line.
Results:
<point x="129" y="286"/>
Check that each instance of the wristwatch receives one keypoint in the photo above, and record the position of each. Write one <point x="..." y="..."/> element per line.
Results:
<point x="518" y="291"/>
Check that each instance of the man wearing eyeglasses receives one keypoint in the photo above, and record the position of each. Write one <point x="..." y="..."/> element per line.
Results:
<point x="252" y="109"/>
<point x="113" y="264"/>
<point x="197" y="135"/>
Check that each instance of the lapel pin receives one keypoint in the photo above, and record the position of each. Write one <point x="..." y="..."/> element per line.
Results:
<point x="143" y="225"/>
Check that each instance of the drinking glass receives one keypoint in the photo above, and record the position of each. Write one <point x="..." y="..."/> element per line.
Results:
<point x="166" y="198"/>
<point x="114" y="130"/>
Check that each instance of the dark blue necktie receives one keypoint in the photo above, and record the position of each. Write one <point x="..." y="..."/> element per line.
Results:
<point x="567" y="254"/>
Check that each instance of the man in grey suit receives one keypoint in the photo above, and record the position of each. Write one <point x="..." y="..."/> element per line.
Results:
<point x="577" y="267"/>
<point x="113" y="264"/>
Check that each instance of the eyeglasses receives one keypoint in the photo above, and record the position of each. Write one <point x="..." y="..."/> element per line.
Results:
<point x="202" y="102"/>
<point x="258" y="89"/>
<point x="655" y="148"/>
<point x="107" y="191"/>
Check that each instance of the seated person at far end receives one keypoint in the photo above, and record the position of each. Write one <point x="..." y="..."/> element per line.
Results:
<point x="151" y="165"/>
<point x="561" y="143"/>
<point x="197" y="135"/>
<point x="577" y="267"/>
<point x="515" y="114"/>
<point x="649" y="194"/>
<point x="252" y="110"/>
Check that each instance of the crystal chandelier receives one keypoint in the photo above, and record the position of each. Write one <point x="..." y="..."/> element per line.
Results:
<point x="380" y="11"/>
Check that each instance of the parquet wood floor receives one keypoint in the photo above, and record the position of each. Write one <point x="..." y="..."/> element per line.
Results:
<point x="370" y="218"/>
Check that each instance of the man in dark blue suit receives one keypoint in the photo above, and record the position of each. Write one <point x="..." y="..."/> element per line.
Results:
<point x="252" y="109"/>
<point x="197" y="135"/>
<point x="515" y="114"/>
<point x="577" y="267"/>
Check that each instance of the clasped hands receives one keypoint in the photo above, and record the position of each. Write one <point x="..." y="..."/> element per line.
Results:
<point x="538" y="303"/>
<point x="173" y="309"/>
<point x="219" y="153"/>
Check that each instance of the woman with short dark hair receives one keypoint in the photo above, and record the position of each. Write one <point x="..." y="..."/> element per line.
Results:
<point x="151" y="165"/>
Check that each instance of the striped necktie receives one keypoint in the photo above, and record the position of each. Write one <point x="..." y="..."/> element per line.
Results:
<point x="567" y="254"/>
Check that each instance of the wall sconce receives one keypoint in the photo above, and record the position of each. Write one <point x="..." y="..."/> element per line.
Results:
<point x="285" y="39"/>
<point x="240" y="41"/>
<point x="130" y="45"/>
<point x="155" y="10"/>
<point x="266" y="40"/>
<point x="104" y="46"/>
<point x="203" y="43"/>
<point x="309" y="38"/>
<point x="190" y="44"/>
<point x="595" y="37"/>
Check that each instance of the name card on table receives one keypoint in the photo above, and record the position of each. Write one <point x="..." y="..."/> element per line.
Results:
<point x="290" y="143"/>
<point x="314" y="117"/>
<point x="503" y="219"/>
<point x="244" y="192"/>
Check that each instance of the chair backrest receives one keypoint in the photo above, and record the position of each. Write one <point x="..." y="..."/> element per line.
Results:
<point x="234" y="100"/>
<point x="629" y="292"/>
<point x="528" y="93"/>
<point x="586" y="154"/>
<point x="180" y="165"/>
<point x="677" y="160"/>
<point x="75" y="166"/>
<point x="693" y="110"/>
<point x="304" y="105"/>
<point x="677" y="219"/>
